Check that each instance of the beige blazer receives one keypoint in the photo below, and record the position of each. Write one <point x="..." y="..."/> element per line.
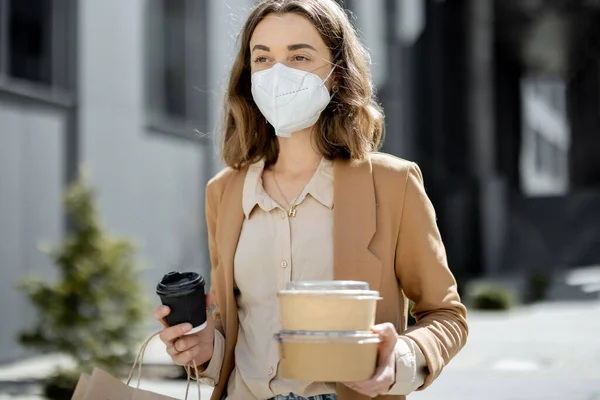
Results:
<point x="385" y="233"/>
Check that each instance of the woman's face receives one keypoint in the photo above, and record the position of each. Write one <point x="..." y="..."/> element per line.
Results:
<point x="290" y="39"/>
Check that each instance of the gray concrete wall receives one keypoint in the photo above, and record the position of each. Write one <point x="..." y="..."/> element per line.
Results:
<point x="151" y="184"/>
<point x="31" y="179"/>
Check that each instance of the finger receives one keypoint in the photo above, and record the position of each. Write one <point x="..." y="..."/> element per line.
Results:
<point x="203" y="337"/>
<point x="389" y="339"/>
<point x="172" y="350"/>
<point x="387" y="332"/>
<point x="376" y="385"/>
<point x="184" y="358"/>
<point x="174" y="332"/>
<point x="187" y="342"/>
<point x="160" y="313"/>
<point x="385" y="375"/>
<point x="381" y="380"/>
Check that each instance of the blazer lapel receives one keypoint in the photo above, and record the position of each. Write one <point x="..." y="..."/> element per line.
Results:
<point x="355" y="223"/>
<point x="229" y="227"/>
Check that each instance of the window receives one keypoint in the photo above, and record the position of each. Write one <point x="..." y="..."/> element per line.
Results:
<point x="29" y="41"/>
<point x="546" y="137"/>
<point x="173" y="48"/>
<point x="176" y="75"/>
<point x="35" y="42"/>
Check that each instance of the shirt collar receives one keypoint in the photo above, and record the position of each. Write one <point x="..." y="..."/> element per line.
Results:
<point x="320" y="187"/>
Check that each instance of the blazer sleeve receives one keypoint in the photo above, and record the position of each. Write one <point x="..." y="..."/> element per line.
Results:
<point x="210" y="375"/>
<point x="421" y="267"/>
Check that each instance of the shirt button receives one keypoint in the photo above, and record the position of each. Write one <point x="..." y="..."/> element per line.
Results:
<point x="282" y="214"/>
<point x="283" y="264"/>
<point x="271" y="370"/>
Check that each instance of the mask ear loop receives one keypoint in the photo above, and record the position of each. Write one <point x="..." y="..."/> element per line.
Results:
<point x="329" y="74"/>
<point x="335" y="88"/>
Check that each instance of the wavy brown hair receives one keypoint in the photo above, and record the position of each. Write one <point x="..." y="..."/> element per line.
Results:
<point x="350" y="127"/>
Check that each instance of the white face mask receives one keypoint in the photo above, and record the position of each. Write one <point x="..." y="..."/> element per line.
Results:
<point x="290" y="99"/>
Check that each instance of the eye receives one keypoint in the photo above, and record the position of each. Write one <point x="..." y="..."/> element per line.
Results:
<point x="300" y="58"/>
<point x="261" y="59"/>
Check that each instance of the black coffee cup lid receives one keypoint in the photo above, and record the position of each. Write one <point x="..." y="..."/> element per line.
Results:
<point x="179" y="283"/>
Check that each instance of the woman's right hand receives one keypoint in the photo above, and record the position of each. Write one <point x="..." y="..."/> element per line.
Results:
<point x="182" y="348"/>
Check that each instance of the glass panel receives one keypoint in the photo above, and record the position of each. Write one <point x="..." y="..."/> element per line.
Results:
<point x="29" y="40"/>
<point x="3" y="35"/>
<point x="173" y="49"/>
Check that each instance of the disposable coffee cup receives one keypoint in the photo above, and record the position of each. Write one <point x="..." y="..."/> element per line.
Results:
<point x="183" y="292"/>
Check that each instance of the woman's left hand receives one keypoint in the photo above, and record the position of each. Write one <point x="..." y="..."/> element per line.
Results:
<point x="385" y="373"/>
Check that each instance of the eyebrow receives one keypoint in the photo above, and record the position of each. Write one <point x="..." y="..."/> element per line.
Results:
<point x="300" y="46"/>
<point x="291" y="47"/>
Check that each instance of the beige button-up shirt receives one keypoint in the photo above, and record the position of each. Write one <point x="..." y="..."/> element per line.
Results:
<point x="274" y="249"/>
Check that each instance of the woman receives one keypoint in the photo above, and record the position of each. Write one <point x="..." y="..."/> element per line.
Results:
<point x="305" y="197"/>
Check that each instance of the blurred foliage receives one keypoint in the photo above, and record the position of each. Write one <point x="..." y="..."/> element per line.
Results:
<point x="493" y="298"/>
<point x="538" y="285"/>
<point x="61" y="384"/>
<point x="94" y="311"/>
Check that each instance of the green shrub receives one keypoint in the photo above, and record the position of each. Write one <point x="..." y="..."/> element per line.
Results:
<point x="60" y="385"/>
<point x="95" y="309"/>
<point x="492" y="298"/>
<point x="537" y="287"/>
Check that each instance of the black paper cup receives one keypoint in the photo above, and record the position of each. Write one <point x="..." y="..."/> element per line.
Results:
<point x="183" y="292"/>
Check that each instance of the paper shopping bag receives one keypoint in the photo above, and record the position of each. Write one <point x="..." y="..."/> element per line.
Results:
<point x="103" y="386"/>
<point x="80" y="389"/>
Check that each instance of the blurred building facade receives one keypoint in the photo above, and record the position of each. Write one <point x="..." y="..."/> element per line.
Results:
<point x="497" y="100"/>
<point x="120" y="87"/>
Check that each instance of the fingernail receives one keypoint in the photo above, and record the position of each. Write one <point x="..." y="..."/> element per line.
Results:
<point x="186" y="327"/>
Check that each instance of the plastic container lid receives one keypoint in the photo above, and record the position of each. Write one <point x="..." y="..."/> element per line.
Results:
<point x="342" y="289"/>
<point x="327" y="285"/>
<point x="361" y="337"/>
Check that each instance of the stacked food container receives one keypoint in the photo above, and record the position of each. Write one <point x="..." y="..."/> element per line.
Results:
<point x="326" y="331"/>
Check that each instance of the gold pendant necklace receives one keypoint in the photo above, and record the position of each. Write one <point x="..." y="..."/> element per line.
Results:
<point x="292" y="205"/>
<point x="292" y="212"/>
